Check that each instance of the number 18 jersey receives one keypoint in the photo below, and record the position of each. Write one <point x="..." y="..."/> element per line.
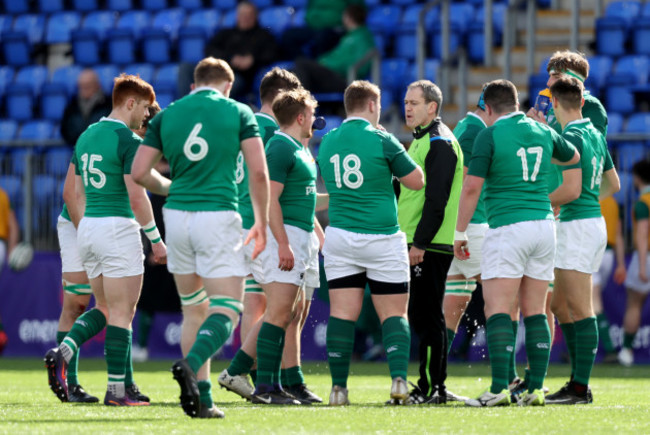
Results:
<point x="200" y="136"/>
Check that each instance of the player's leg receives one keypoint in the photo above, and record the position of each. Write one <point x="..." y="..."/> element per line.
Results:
<point x="458" y="293"/>
<point x="599" y="280"/>
<point x="559" y="306"/>
<point x="631" y="324"/>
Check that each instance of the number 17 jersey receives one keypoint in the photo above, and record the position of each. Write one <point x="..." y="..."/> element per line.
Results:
<point x="200" y="136"/>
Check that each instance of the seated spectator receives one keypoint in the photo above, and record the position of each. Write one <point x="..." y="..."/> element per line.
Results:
<point x="246" y="47"/>
<point x="329" y="72"/>
<point x="89" y="106"/>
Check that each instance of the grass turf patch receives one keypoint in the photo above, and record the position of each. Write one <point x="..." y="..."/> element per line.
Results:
<point x="28" y="406"/>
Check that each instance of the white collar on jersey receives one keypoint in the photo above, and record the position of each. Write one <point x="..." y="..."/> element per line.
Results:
<point x="578" y="121"/>
<point x="356" y="118"/>
<point x="106" y="118"/>
<point x="510" y="115"/>
<point x="267" y="116"/>
<point x="289" y="137"/>
<point x="477" y="117"/>
<point x="205" y="88"/>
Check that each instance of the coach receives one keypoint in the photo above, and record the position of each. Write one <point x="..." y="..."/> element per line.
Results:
<point x="428" y="217"/>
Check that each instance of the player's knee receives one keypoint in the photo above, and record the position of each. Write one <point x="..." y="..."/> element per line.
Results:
<point x="194" y="299"/>
<point x="227" y="306"/>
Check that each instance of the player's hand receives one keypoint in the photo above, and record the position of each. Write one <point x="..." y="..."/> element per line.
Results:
<point x="257" y="233"/>
<point x="461" y="250"/>
<point x="536" y="115"/>
<point x="416" y="255"/>
<point x="286" y="257"/>
<point x="643" y="276"/>
<point x="159" y="251"/>
<point x="556" y="212"/>
<point x="620" y="274"/>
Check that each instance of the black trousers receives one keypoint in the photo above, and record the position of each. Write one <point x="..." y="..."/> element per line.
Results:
<point x="317" y="78"/>
<point x="428" y="320"/>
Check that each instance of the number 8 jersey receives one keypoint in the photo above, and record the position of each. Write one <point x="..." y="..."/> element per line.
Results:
<point x="200" y="136"/>
<point x="514" y="158"/>
<point x="103" y="154"/>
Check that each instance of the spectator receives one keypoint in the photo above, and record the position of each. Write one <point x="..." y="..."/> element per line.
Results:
<point x="89" y="106"/>
<point x="246" y="47"/>
<point x="329" y="72"/>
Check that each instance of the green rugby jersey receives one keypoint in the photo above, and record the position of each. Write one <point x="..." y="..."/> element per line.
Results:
<point x="514" y="158"/>
<point x="267" y="125"/>
<point x="291" y="164"/>
<point x="594" y="160"/>
<point x="357" y="163"/>
<point x="104" y="153"/>
<point x="466" y="131"/>
<point x="592" y="109"/>
<point x="200" y="137"/>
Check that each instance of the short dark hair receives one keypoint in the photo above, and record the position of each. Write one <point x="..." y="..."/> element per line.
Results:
<point x="568" y="91"/>
<point x="501" y="96"/>
<point x="430" y="91"/>
<point x="127" y="85"/>
<point x="289" y="104"/>
<point x="212" y="70"/>
<point x="561" y="61"/>
<point x="154" y="109"/>
<point x="357" y="13"/>
<point x="358" y="93"/>
<point x="642" y="170"/>
<point x="276" y="80"/>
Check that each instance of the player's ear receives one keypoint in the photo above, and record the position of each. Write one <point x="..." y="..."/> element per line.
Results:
<point x="582" y="103"/>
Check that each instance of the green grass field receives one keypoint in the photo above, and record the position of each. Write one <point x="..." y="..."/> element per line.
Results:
<point x="27" y="405"/>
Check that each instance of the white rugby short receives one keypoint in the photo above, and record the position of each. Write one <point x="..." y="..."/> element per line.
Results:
<point x="581" y="244"/>
<point x="70" y="258"/>
<point x="305" y="253"/>
<point x="472" y="266"/>
<point x="632" y="280"/>
<point x="601" y="277"/>
<point x="523" y="248"/>
<point x="383" y="257"/>
<point x="110" y="246"/>
<point x="207" y="243"/>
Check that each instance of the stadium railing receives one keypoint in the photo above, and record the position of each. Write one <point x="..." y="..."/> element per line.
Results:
<point x="509" y="32"/>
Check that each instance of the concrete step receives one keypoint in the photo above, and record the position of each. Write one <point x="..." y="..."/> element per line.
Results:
<point x="477" y="76"/>
<point x="558" y="37"/>
<point x="561" y="19"/>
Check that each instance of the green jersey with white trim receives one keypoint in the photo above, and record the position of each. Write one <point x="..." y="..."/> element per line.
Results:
<point x="466" y="131"/>
<point x="268" y="126"/>
<point x="357" y="163"/>
<point x="104" y="153"/>
<point x="592" y="109"/>
<point x="200" y="136"/>
<point x="514" y="158"/>
<point x="291" y="164"/>
<point x="594" y="160"/>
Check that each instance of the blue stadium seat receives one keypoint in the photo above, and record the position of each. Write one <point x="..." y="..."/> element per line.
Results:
<point x="13" y="186"/>
<point x="8" y="129"/>
<point x="600" y="68"/>
<point x="261" y="4"/>
<point x="626" y="194"/>
<point x="614" y="123"/>
<point x="170" y="20"/>
<point x="638" y="123"/>
<point x="229" y="19"/>
<point x="44" y="189"/>
<point x="67" y="75"/>
<point x="224" y="5"/>
<point x="618" y="93"/>
<point x="134" y="21"/>
<point x="189" y="4"/>
<point x="610" y="36"/>
<point x="60" y="25"/>
<point x="19" y="102"/>
<point x="628" y="10"/>
<point x="57" y="161"/>
<point x="33" y="24"/>
<point x="638" y="66"/>
<point x="394" y="74"/>
<point x="5" y="22"/>
<point x="119" y="5"/>
<point x="455" y="39"/>
<point x="299" y="18"/>
<point x="156" y="46"/>
<point x="86" y="46"/>
<point x="191" y="44"/>
<point x="16" y="6"/>
<point x="154" y="5"/>
<point x="165" y="94"/>
<point x="120" y="46"/>
<point x="166" y="75"/>
<point x="332" y="122"/>
<point x="145" y="70"/>
<point x="461" y="14"/>
<point x="85" y="5"/>
<point x="410" y="18"/>
<point x="406" y="45"/>
<point x="207" y="19"/>
<point x="100" y="21"/>
<point x="106" y="75"/>
<point x="18" y="158"/>
<point x="645" y="9"/>
<point x="384" y="19"/>
<point x="276" y="19"/>
<point x="16" y="48"/>
<point x="641" y="36"/>
<point x="34" y="76"/>
<point x="6" y="77"/>
<point x="475" y="42"/>
<point x="50" y="6"/>
<point x="629" y="153"/>
<point x="36" y="130"/>
<point x="380" y="43"/>
<point x="295" y="3"/>
<point x="430" y="70"/>
<point x="54" y="98"/>
<point x="403" y="2"/>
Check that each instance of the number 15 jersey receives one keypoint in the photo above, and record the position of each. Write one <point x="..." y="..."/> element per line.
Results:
<point x="200" y="136"/>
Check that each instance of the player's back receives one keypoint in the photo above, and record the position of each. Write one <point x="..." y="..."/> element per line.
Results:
<point x="103" y="154"/>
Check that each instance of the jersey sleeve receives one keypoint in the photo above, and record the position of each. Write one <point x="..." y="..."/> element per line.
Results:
<point x="152" y="137"/>
<point x="466" y="142"/>
<point x="482" y="151"/>
<point x="280" y="159"/>
<point x="595" y="111"/>
<point x="248" y="123"/>
<point x="575" y="140"/>
<point x="641" y="211"/>
<point x="400" y="163"/>
<point x="562" y="149"/>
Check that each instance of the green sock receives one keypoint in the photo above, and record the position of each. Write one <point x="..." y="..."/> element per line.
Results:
<point x="500" y="345"/>
<point x="603" y="333"/>
<point x="145" y="320"/>
<point x="294" y="376"/>
<point x="85" y="327"/>
<point x="240" y="364"/>
<point x="128" y="379"/>
<point x="283" y="377"/>
<point x="340" y="341"/>
<point x="628" y="339"/>
<point x="586" y="348"/>
<point x="269" y="354"/>
<point x="512" y="367"/>
<point x="277" y="376"/>
<point x="254" y="376"/>
<point x="205" y="391"/>
<point x="538" y="349"/>
<point x="569" y="332"/>
<point x="73" y="364"/>
<point x="116" y="347"/>
<point x="211" y="336"/>
<point x="450" y="339"/>
<point x="396" y="336"/>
